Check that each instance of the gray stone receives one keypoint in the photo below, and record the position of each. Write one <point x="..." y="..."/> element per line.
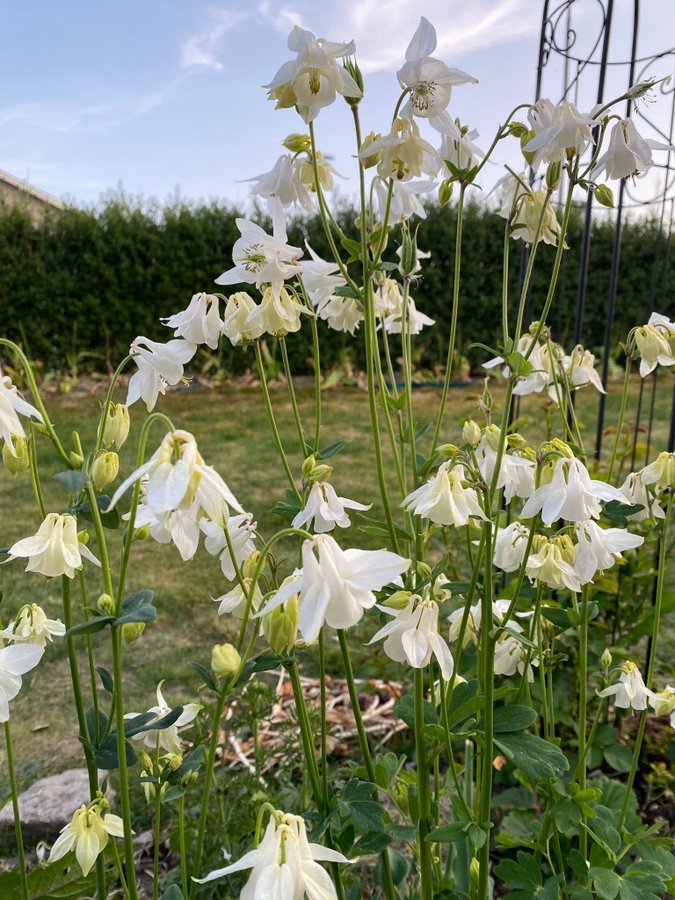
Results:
<point x="46" y="806"/>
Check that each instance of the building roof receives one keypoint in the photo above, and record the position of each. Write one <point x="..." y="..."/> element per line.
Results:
<point x="20" y="185"/>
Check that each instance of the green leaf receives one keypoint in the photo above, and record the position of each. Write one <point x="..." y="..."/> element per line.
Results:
<point x="332" y="449"/>
<point x="518" y="364"/>
<point x="109" y="520"/>
<point x="147" y="722"/>
<point x="206" y="674"/>
<point x="523" y="872"/>
<point x="73" y="480"/>
<point x="174" y="792"/>
<point x="106" y="679"/>
<point x="173" y="892"/>
<point x="405" y="710"/>
<point x="643" y="880"/>
<point x="449" y="834"/>
<point x="604" y="195"/>
<point x="534" y="756"/>
<point x="619" y="757"/>
<point x="556" y="615"/>
<point x="264" y="663"/>
<point x="373" y="842"/>
<point x="137" y="607"/>
<point x="605" y="881"/>
<point x="352" y="247"/>
<point x="106" y="755"/>
<point x="516" y="717"/>
<point x="287" y="508"/>
<point x="356" y="803"/>
<point x="91" y="626"/>
<point x="90" y="719"/>
<point x="618" y="512"/>
<point x="62" y="880"/>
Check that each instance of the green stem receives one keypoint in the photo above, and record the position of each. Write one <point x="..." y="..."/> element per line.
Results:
<point x="453" y="318"/>
<point x="423" y="797"/>
<point x="389" y="889"/>
<point x="292" y="397"/>
<point x="622" y="415"/>
<point x="324" y="724"/>
<point x="658" y="609"/>
<point x="108" y="401"/>
<point x="16" y="812"/>
<point x="182" y="846"/>
<point x="156" y="828"/>
<point x="123" y="771"/>
<point x="306" y="734"/>
<point x="487" y="684"/>
<point x="583" y="707"/>
<point x="273" y="424"/>
<point x="35" y="473"/>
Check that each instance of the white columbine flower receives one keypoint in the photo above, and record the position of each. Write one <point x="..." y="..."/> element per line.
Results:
<point x="635" y="490"/>
<point x="571" y="494"/>
<point x="552" y="563"/>
<point x="405" y="199"/>
<point x="285" y="864"/>
<point x="237" y="310"/>
<point x="405" y="154"/>
<point x="597" y="548"/>
<point x="655" y="343"/>
<point x="87" y="834"/>
<point x="510" y="546"/>
<point x="278" y="314"/>
<point x="319" y="277"/>
<point x="457" y="147"/>
<point x="313" y="79"/>
<point x="661" y="473"/>
<point x="516" y="473"/>
<point x="565" y="131"/>
<point x="260" y="258"/>
<point x="429" y="80"/>
<point x="284" y="183"/>
<point x="159" y="365"/>
<point x="628" y="153"/>
<point x="579" y="369"/>
<point x="11" y="406"/>
<point x="444" y="499"/>
<point x="241" y="531"/>
<point x="55" y="549"/>
<point x="31" y="626"/>
<point x="234" y="602"/>
<point x="511" y="655"/>
<point x="413" y="636"/>
<point x="337" y="585"/>
<point x="664" y="703"/>
<point x="168" y="738"/>
<point x="540" y="360"/>
<point x="325" y="509"/>
<point x="630" y="691"/>
<point x="200" y="323"/>
<point x="15" y="661"/>
<point x="416" y="320"/>
<point x="524" y="208"/>
<point x="341" y="313"/>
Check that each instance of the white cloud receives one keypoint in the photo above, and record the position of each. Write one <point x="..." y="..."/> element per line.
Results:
<point x="202" y="49"/>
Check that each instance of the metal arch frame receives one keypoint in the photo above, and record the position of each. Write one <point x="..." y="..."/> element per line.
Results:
<point x="597" y="60"/>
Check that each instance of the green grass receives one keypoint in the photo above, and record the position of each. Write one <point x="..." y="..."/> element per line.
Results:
<point x="231" y="429"/>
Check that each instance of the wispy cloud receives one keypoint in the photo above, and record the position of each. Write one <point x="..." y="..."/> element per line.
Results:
<point x="90" y="117"/>
<point x="202" y="49"/>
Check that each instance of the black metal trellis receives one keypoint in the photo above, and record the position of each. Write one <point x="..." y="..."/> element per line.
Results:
<point x="587" y="59"/>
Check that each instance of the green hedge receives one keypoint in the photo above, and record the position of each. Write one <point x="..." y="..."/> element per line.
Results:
<point x="86" y="282"/>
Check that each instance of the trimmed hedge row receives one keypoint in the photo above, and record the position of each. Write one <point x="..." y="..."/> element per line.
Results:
<point x="82" y="284"/>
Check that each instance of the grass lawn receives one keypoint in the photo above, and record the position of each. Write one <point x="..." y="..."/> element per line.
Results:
<point x="231" y="429"/>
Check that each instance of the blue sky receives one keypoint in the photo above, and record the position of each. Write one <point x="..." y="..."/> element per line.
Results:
<point x="159" y="96"/>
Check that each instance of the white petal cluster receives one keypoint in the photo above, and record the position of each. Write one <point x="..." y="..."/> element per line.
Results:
<point x="531" y="214"/>
<point x="167" y="738"/>
<point x="412" y="636"/>
<point x="510" y="546"/>
<point x="598" y="549"/>
<point x="445" y="499"/>
<point x="240" y="530"/>
<point x="559" y="131"/>
<point x="159" y="366"/>
<point x="15" y="661"/>
<point x="656" y="343"/>
<point x="516" y="473"/>
<point x="55" y="549"/>
<point x="313" y="79"/>
<point x="200" y="323"/>
<point x="630" y="691"/>
<point x="628" y="153"/>
<point x="31" y="626"/>
<point x="571" y="494"/>
<point x="87" y="834"/>
<point x="324" y="510"/>
<point x="11" y="407"/>
<point x="336" y="586"/>
<point x="285" y="865"/>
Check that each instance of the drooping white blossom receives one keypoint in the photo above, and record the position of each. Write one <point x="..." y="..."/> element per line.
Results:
<point x="159" y="366"/>
<point x="15" y="661"/>
<point x="412" y="636"/>
<point x="324" y="510"/>
<point x="200" y="323"/>
<point x="285" y="865"/>
<point x="235" y="601"/>
<point x="637" y="494"/>
<point x="630" y="691"/>
<point x="564" y="130"/>
<point x="240" y="530"/>
<point x="404" y="152"/>
<point x="444" y="499"/>
<point x="552" y="563"/>
<point x="516" y="473"/>
<point x="628" y="153"/>
<point x="510" y="546"/>
<point x="237" y="310"/>
<point x="278" y="313"/>
<point x="663" y="703"/>
<point x="87" y="834"/>
<point x="598" y="549"/>
<point x="571" y="494"/>
<point x="168" y="738"/>
<point x="55" y="549"/>
<point x="659" y="474"/>
<point x="32" y="626"/>
<point x="11" y="406"/>
<point x="655" y="343"/>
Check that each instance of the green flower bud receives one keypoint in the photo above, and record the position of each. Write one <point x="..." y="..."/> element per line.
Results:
<point x="116" y="426"/>
<point x="281" y="626"/>
<point x="142" y="533"/>
<point x="445" y="191"/>
<point x="248" y="569"/>
<point x="553" y="173"/>
<point x="308" y="467"/>
<point x="606" y="659"/>
<point x="298" y="143"/>
<point x="131" y="631"/>
<point x="105" y="469"/>
<point x="370" y="159"/>
<point x="76" y="459"/>
<point x="106" y="604"/>
<point x="398" y="600"/>
<point x="471" y="433"/>
<point x="408" y="264"/>
<point x="493" y="436"/>
<point x="16" y="461"/>
<point x="225" y="659"/>
<point x="352" y="68"/>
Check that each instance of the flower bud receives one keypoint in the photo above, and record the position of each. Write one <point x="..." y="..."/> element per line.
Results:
<point x="485" y="402"/>
<point x="146" y="761"/>
<point x="16" y="461"/>
<point x="370" y="159"/>
<point x="105" y="469"/>
<point x="351" y="66"/>
<point x="474" y="870"/>
<point x="83" y="537"/>
<point x="471" y="433"/>
<point x="525" y="137"/>
<point x="424" y="571"/>
<point x="106" y="604"/>
<point x="445" y="192"/>
<point x="251" y="561"/>
<point x="553" y="173"/>
<point x="606" y="659"/>
<point x="76" y="459"/>
<point x="604" y="195"/>
<point x="398" y="600"/>
<point x="298" y="143"/>
<point x="131" y="631"/>
<point x="408" y="263"/>
<point x="447" y="450"/>
<point x="281" y="626"/>
<point x="308" y="467"/>
<point x="116" y="426"/>
<point x="142" y="533"/>
<point x="225" y="659"/>
<point x="493" y="436"/>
